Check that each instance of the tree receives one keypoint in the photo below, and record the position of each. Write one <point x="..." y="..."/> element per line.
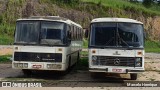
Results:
<point x="133" y="0"/>
<point x="70" y="1"/>
<point x="147" y="3"/>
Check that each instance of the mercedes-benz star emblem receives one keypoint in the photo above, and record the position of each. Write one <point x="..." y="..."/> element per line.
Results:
<point x="116" y="61"/>
<point x="38" y="57"/>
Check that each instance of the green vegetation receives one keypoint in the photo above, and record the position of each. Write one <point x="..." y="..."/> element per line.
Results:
<point x="128" y="6"/>
<point x="152" y="46"/>
<point x="147" y="3"/>
<point x="84" y="54"/>
<point x="14" y="9"/>
<point x="5" y="58"/>
<point x="5" y="39"/>
<point x="85" y="43"/>
<point x="83" y="63"/>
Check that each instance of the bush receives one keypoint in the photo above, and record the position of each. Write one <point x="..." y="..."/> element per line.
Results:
<point x="147" y="3"/>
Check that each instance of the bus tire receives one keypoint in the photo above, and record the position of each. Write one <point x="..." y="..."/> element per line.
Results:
<point x="78" y="57"/>
<point x="69" y="63"/>
<point x="26" y="72"/>
<point x="133" y="76"/>
<point x="93" y="74"/>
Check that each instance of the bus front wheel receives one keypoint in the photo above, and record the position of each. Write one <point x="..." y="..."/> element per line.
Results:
<point x="133" y="76"/>
<point x="96" y="74"/>
<point x="69" y="63"/>
<point x="26" y="72"/>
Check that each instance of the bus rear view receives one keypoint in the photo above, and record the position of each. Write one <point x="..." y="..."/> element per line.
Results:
<point x="116" y="45"/>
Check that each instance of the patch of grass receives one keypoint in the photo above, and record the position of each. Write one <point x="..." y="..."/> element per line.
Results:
<point x="152" y="46"/>
<point x="152" y="79"/>
<point x="5" y="58"/>
<point x="83" y="64"/>
<point x="85" y="43"/>
<point x="124" y="5"/>
<point x="84" y="61"/>
<point x="93" y="9"/>
<point x="5" y="40"/>
<point x="84" y="54"/>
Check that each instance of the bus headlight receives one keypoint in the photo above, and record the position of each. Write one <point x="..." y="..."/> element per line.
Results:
<point x="138" y="64"/>
<point x="25" y="65"/>
<point x="59" y="66"/>
<point x="20" y="65"/>
<point x="54" y="66"/>
<point x="15" y="64"/>
<point x="138" y="59"/>
<point x="94" y="58"/>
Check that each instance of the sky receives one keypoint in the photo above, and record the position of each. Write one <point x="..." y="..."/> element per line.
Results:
<point x="139" y="0"/>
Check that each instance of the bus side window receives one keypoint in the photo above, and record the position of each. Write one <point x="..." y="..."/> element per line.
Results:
<point x="81" y="34"/>
<point x="75" y="34"/>
<point x="78" y="33"/>
<point x="72" y="33"/>
<point x="69" y="33"/>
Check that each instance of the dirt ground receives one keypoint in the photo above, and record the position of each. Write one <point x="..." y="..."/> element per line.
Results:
<point x="81" y="78"/>
<point x="6" y="50"/>
<point x="82" y="88"/>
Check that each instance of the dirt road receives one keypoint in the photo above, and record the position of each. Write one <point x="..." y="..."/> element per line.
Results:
<point x="6" y="50"/>
<point x="81" y="78"/>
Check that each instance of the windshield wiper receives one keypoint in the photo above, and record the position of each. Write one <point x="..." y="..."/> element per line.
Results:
<point x="46" y="43"/>
<point x="121" y="39"/>
<point x="109" y="41"/>
<point x="128" y="47"/>
<point x="49" y="42"/>
<point x="24" y="43"/>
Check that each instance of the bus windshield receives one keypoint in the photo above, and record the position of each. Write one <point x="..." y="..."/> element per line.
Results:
<point x="52" y="33"/>
<point x="40" y="32"/>
<point x="117" y="35"/>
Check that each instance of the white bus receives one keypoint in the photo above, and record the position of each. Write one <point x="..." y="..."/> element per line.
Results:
<point x="46" y="43"/>
<point x="116" y="45"/>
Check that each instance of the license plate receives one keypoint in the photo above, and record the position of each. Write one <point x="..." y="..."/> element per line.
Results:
<point x="36" y="66"/>
<point x="117" y="70"/>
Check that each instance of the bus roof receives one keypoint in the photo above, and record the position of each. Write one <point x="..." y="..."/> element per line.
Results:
<point x="127" y="20"/>
<point x="50" y="18"/>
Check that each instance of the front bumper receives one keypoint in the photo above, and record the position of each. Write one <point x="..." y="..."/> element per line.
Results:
<point x="119" y="70"/>
<point x="39" y="66"/>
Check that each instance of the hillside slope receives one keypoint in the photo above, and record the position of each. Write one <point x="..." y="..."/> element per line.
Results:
<point x="81" y="12"/>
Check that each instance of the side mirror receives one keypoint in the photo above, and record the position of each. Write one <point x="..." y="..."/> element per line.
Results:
<point x="86" y="33"/>
<point x="69" y="36"/>
<point x="11" y="44"/>
<point x="14" y="32"/>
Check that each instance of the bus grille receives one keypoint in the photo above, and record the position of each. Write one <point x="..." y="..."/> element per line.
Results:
<point x="115" y="61"/>
<point x="37" y="57"/>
